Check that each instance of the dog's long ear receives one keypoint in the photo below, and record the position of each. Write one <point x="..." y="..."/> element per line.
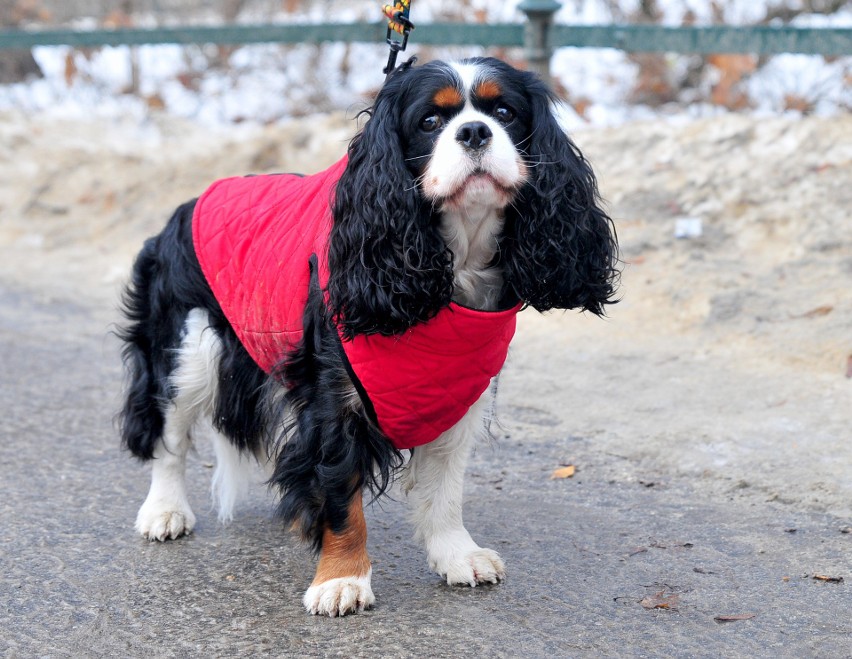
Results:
<point x="559" y="246"/>
<point x="389" y="267"/>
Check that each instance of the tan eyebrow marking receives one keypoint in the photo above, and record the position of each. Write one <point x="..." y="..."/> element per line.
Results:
<point x="447" y="97"/>
<point x="488" y="89"/>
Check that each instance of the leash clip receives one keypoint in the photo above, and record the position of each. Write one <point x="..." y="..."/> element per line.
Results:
<point x="398" y="22"/>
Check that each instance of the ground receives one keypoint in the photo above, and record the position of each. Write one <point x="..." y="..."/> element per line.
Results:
<point x="708" y="418"/>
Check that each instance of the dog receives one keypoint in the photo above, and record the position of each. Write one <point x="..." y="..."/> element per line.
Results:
<point x="345" y="329"/>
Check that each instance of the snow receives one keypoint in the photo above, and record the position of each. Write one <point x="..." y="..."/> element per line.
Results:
<point x="267" y="83"/>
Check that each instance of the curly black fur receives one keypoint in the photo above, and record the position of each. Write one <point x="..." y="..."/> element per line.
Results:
<point x="389" y="266"/>
<point x="558" y="248"/>
<point x="336" y="448"/>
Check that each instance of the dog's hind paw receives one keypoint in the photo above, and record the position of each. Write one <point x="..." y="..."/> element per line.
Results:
<point x="162" y="522"/>
<point x="477" y="567"/>
<point x="337" y="597"/>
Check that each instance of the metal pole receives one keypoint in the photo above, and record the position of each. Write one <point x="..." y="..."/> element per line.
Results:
<point x="537" y="34"/>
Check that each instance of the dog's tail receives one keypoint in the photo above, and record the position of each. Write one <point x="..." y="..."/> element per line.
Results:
<point x="155" y="313"/>
<point x="141" y="418"/>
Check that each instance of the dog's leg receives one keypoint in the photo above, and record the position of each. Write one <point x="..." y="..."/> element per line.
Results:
<point x="342" y="581"/>
<point x="166" y="512"/>
<point x="434" y="482"/>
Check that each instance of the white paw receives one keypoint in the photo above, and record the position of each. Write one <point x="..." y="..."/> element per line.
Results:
<point x="475" y="567"/>
<point x="164" y="520"/>
<point x="337" y="597"/>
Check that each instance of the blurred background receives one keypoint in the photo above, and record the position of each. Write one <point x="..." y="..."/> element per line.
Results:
<point x="264" y="83"/>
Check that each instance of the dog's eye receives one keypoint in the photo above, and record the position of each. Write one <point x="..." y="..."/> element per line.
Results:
<point x="430" y="123"/>
<point x="504" y="114"/>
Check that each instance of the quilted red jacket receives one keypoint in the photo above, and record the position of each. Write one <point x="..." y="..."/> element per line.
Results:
<point x="253" y="237"/>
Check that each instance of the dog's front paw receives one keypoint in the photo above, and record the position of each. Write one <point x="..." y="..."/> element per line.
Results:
<point x="163" y="520"/>
<point x="337" y="597"/>
<point x="472" y="568"/>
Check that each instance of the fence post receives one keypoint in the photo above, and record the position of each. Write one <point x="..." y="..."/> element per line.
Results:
<point x="537" y="34"/>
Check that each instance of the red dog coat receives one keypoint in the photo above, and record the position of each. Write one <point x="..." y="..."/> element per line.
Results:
<point x="253" y="237"/>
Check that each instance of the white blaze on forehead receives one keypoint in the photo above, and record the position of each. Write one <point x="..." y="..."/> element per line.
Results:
<point x="467" y="74"/>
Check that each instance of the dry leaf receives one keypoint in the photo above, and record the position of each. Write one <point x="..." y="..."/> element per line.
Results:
<point x="563" y="472"/>
<point x="70" y="68"/>
<point x="732" y="69"/>
<point x="797" y="103"/>
<point x="581" y="106"/>
<point x="824" y="310"/>
<point x="731" y="618"/>
<point x="155" y="102"/>
<point x="661" y="601"/>
<point x="822" y="577"/>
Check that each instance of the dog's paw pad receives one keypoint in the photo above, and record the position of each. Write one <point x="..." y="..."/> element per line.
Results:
<point x="164" y="522"/>
<point x="337" y="597"/>
<point x="480" y="566"/>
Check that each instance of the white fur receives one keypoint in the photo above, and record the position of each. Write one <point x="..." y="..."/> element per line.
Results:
<point x="467" y="73"/>
<point x="472" y="238"/>
<point x="337" y="597"/>
<point x="233" y="475"/>
<point x="452" y="164"/>
<point x="434" y="482"/>
<point x="166" y="512"/>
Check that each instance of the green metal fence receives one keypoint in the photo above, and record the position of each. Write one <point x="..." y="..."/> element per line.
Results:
<point x="634" y="38"/>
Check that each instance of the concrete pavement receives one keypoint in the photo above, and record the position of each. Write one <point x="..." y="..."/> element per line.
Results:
<point x="581" y="553"/>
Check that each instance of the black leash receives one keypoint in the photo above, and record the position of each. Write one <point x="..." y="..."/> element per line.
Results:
<point x="399" y="23"/>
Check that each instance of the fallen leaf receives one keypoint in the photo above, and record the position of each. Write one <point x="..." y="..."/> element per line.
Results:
<point x="849" y="366"/>
<point x="661" y="601"/>
<point x="563" y="472"/>
<point x="732" y="618"/>
<point x="732" y="69"/>
<point x="818" y="312"/>
<point x="827" y="579"/>
<point x="70" y="68"/>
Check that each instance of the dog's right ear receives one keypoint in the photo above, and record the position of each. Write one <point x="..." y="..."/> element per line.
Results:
<point x="389" y="267"/>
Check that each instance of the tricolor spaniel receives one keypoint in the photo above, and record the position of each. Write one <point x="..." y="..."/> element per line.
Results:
<point x="346" y="327"/>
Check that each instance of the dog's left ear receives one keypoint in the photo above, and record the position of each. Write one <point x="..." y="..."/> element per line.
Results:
<point x="559" y="246"/>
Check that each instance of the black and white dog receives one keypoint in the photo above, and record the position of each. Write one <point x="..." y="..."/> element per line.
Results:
<point x="461" y="194"/>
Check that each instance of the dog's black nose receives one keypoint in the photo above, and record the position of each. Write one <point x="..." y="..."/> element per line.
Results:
<point x="474" y="135"/>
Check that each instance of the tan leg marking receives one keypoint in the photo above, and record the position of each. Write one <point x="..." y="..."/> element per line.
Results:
<point x="345" y="554"/>
<point x="342" y="582"/>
